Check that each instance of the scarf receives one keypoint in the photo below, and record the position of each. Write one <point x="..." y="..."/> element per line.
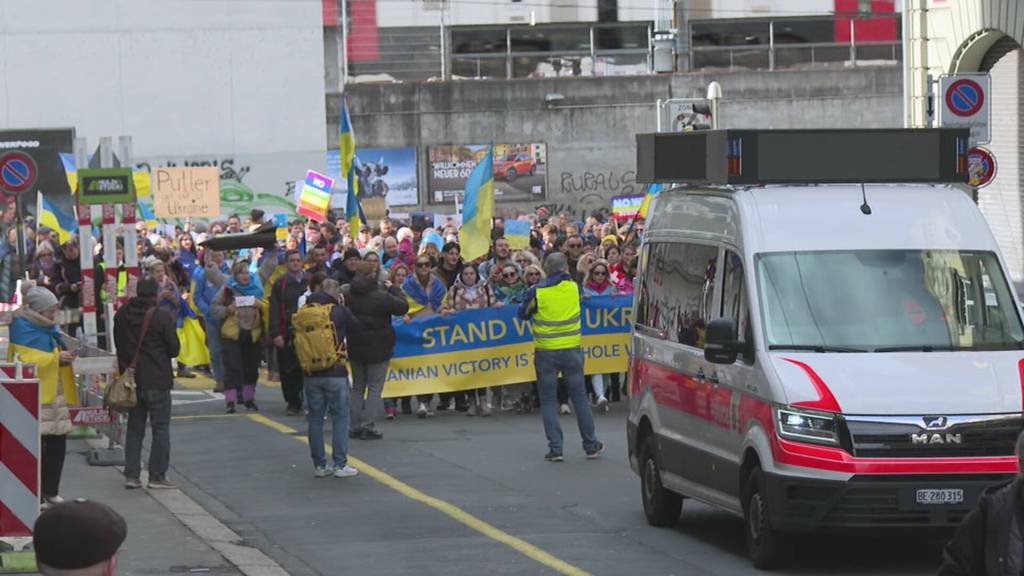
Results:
<point x="253" y="288"/>
<point x="599" y="288"/>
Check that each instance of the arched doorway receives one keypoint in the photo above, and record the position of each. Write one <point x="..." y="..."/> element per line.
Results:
<point x="1001" y="202"/>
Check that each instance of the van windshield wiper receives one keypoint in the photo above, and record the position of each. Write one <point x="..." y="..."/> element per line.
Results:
<point x="816" y="348"/>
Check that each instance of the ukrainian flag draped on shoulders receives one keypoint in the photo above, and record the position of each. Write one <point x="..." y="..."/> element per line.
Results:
<point x="32" y="342"/>
<point x="478" y="210"/>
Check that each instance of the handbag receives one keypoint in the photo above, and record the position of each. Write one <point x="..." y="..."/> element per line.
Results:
<point x="122" y="394"/>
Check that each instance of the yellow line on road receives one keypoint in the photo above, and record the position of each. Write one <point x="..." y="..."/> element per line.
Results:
<point x="454" y="512"/>
<point x="206" y="416"/>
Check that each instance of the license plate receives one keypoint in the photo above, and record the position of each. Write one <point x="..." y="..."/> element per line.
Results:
<point x="940" y="496"/>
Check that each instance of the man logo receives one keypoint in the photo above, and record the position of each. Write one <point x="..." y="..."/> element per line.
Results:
<point x="926" y="438"/>
<point x="935" y="422"/>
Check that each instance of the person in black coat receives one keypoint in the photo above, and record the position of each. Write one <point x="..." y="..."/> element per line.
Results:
<point x="154" y="378"/>
<point x="371" y="343"/>
<point x="990" y="541"/>
<point x="284" y="301"/>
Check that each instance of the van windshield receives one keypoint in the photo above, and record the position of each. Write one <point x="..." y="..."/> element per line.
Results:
<point x="887" y="301"/>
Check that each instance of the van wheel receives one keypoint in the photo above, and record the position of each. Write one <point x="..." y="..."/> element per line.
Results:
<point x="768" y="548"/>
<point x="661" y="506"/>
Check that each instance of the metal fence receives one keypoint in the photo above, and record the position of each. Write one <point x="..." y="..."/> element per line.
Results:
<point x="581" y="49"/>
<point x="788" y="43"/>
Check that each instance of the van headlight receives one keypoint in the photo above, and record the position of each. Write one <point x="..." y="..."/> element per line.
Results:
<point x="807" y="425"/>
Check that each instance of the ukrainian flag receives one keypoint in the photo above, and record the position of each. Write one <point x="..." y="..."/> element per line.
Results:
<point x="146" y="213"/>
<point x="652" y="191"/>
<point x="40" y="346"/>
<point x="478" y="210"/>
<point x="52" y="217"/>
<point x="347" y="156"/>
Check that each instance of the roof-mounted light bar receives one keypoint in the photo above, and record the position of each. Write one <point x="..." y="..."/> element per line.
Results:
<point x="743" y="157"/>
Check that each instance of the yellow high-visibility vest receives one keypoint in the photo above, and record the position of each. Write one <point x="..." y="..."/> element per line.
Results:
<point x="556" y="324"/>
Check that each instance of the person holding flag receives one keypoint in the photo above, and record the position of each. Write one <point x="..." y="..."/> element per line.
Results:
<point x="347" y="153"/>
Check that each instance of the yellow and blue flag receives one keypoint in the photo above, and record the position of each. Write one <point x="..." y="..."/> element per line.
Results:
<point x="652" y="191"/>
<point x="147" y="216"/>
<point x="61" y="222"/>
<point x="347" y="156"/>
<point x="40" y="346"/>
<point x="478" y="210"/>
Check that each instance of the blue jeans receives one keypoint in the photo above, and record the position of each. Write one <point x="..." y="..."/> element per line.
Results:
<point x="569" y="362"/>
<point x="327" y="395"/>
<point x="212" y="327"/>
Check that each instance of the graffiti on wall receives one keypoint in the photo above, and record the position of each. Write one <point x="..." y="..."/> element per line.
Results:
<point x="610" y="182"/>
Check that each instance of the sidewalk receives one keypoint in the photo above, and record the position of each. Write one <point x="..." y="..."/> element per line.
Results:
<point x="157" y="542"/>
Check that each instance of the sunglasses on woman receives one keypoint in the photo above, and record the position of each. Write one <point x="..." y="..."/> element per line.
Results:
<point x="600" y="273"/>
<point x="508" y="275"/>
<point x="423" y="264"/>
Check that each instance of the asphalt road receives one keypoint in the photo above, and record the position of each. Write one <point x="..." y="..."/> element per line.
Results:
<point x="255" y="475"/>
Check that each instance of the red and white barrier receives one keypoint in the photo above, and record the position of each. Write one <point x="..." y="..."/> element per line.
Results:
<point x="19" y="449"/>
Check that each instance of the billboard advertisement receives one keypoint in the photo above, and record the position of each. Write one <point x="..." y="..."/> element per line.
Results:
<point x="520" y="171"/>
<point x="388" y="173"/>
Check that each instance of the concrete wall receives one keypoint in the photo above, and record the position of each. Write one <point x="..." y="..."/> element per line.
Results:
<point x="590" y="132"/>
<point x="189" y="81"/>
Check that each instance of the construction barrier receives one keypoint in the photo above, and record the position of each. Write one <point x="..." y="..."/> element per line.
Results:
<point x="19" y="449"/>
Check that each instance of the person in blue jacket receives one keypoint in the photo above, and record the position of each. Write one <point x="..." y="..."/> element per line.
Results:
<point x="206" y="282"/>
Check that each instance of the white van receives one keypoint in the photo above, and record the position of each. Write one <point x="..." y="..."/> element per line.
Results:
<point x="820" y="356"/>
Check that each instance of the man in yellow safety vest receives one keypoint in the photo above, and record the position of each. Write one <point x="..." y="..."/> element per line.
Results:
<point x="554" y="306"/>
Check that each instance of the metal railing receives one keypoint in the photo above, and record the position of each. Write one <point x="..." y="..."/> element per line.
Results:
<point x="798" y="42"/>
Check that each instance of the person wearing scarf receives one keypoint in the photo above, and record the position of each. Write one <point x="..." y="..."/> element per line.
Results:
<point x="239" y="307"/>
<point x="510" y="288"/>
<point x="598" y="283"/>
<point x="187" y="254"/>
<point x="45" y="270"/>
<point x="469" y="292"/>
<point x="36" y="339"/>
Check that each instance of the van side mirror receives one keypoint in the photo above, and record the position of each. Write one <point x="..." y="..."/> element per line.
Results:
<point x="720" y="343"/>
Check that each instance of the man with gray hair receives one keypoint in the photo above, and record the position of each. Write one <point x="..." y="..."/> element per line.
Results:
<point x="554" y="306"/>
<point x="990" y="541"/>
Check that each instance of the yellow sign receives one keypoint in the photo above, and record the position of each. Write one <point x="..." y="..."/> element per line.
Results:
<point x="192" y="192"/>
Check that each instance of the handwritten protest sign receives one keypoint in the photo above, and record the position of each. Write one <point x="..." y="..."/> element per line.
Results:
<point x="192" y="192"/>
<point x="495" y="346"/>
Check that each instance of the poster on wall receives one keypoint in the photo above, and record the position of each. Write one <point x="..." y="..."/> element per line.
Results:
<point x="520" y="171"/>
<point x="388" y="173"/>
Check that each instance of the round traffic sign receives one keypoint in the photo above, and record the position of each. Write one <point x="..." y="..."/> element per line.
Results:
<point x="965" y="97"/>
<point x="18" y="172"/>
<point x="981" y="167"/>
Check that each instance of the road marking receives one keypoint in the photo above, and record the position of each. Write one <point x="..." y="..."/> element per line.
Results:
<point x="206" y="416"/>
<point x="454" y="512"/>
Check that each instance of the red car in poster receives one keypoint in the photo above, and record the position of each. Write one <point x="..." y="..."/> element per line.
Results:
<point x="514" y="165"/>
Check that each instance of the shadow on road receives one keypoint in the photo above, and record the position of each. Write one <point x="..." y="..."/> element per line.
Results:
<point x="896" y="553"/>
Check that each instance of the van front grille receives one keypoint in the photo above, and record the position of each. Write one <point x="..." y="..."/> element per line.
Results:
<point x="934" y="436"/>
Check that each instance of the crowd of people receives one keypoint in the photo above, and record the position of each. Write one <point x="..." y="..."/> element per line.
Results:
<point x="228" y="313"/>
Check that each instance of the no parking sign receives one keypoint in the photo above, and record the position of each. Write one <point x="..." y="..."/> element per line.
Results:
<point x="964" y="103"/>
<point x="18" y="172"/>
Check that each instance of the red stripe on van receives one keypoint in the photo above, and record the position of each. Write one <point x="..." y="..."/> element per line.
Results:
<point x="839" y="460"/>
<point x="826" y="401"/>
<point x="1020" y="369"/>
<point x="692" y="396"/>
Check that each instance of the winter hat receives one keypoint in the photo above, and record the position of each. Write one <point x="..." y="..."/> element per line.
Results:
<point x="147" y="287"/>
<point x="39" y="299"/>
<point x="78" y="534"/>
<point x="351" y="253"/>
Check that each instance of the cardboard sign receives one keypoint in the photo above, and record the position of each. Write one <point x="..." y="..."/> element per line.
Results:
<point x="374" y="209"/>
<point x="192" y="192"/>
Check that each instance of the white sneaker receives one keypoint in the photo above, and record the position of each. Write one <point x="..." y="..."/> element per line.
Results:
<point x="322" y="471"/>
<point x="346" y="472"/>
<point x="422" y="411"/>
<point x="602" y="404"/>
<point x="565" y="409"/>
